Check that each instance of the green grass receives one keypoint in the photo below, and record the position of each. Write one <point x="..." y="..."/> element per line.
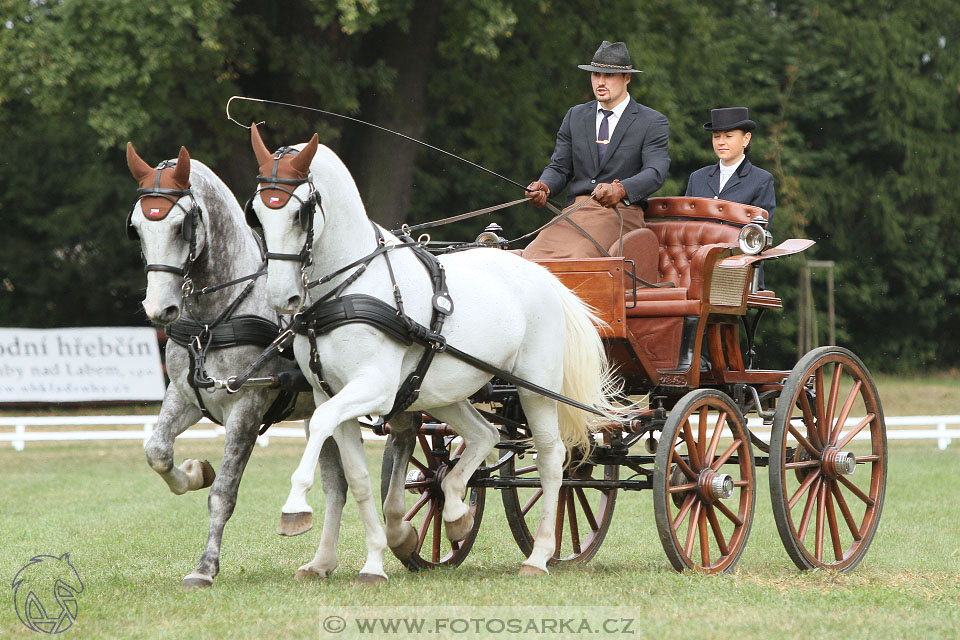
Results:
<point x="132" y="541"/>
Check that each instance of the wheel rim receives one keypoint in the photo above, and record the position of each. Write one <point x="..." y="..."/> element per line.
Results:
<point x="424" y="501"/>
<point x="583" y="513"/>
<point x="829" y="415"/>
<point x="703" y="522"/>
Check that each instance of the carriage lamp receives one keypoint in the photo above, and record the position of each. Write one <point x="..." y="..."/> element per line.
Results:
<point x="490" y="237"/>
<point x="754" y="237"/>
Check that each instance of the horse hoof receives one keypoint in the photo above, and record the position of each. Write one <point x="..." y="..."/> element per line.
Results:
<point x="409" y="545"/>
<point x="459" y="528"/>
<point x="209" y="475"/>
<point x="309" y="573"/>
<point x="529" y="571"/>
<point x="197" y="581"/>
<point x="293" y="524"/>
<point x="370" y="579"/>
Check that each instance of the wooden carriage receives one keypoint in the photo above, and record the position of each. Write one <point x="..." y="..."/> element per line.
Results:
<point x="680" y="306"/>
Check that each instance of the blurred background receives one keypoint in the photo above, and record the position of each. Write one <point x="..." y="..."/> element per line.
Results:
<point x="857" y="105"/>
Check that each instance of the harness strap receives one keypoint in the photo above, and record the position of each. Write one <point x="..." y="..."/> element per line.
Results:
<point x="405" y="230"/>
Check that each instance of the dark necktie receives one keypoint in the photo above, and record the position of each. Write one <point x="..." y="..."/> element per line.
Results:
<point x="603" y="137"/>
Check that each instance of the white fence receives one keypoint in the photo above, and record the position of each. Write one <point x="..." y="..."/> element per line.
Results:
<point x="937" y="429"/>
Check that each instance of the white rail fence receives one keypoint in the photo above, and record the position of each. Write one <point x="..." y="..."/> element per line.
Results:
<point x="936" y="429"/>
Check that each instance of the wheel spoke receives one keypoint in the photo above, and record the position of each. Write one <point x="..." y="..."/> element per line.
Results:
<point x="856" y="491"/>
<point x="427" y="451"/>
<point x="690" y="473"/>
<point x="821" y="509"/>
<point x="692" y="451"/>
<point x="857" y="429"/>
<point x="574" y="529"/>
<point x="717" y="531"/>
<point x="803" y="441"/>
<point x="803" y="487"/>
<point x="804" y="464"/>
<point x="529" y="505"/>
<point x="424" y="526"/>
<point x="692" y="529"/>
<point x="587" y="511"/>
<point x="863" y="459"/>
<point x="832" y="522"/>
<point x="684" y="509"/>
<point x="821" y="414"/>
<point x="702" y="434"/>
<point x="419" y="465"/>
<point x="832" y="402"/>
<point x="682" y="488"/>
<point x="719" y="462"/>
<point x="523" y="470"/>
<point x="437" y="524"/>
<point x="704" y="539"/>
<point x="424" y="499"/>
<point x="845" y="510"/>
<point x="715" y="439"/>
<point x="731" y="516"/>
<point x="845" y="410"/>
<point x="809" y="420"/>
<point x="808" y="510"/>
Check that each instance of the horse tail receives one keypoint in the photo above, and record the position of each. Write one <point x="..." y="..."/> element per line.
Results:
<point x="587" y="375"/>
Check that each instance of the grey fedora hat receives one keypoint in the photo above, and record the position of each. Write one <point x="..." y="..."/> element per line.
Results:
<point x="611" y="57"/>
<point x="730" y="118"/>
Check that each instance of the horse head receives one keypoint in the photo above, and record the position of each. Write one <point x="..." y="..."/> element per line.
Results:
<point x="284" y="206"/>
<point x="166" y="221"/>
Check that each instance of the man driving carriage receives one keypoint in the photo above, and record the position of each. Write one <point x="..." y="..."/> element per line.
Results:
<point x="611" y="150"/>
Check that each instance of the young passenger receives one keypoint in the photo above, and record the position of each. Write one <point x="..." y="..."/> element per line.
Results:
<point x="734" y="178"/>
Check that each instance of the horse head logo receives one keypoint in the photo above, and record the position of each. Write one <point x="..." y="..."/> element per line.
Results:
<point x="45" y="593"/>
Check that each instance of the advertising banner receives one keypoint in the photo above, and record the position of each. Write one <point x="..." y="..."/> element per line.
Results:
<point x="91" y="364"/>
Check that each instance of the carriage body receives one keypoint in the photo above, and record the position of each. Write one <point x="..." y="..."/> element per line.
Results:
<point x="679" y="306"/>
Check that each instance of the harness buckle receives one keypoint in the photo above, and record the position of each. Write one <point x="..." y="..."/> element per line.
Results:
<point x="187" y="288"/>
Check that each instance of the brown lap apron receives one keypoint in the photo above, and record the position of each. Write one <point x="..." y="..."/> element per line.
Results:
<point x="562" y="240"/>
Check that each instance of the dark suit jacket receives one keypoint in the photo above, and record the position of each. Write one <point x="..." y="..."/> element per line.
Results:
<point x="637" y="153"/>
<point x="748" y="185"/>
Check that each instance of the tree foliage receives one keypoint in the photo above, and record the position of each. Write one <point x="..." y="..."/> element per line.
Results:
<point x="857" y="102"/>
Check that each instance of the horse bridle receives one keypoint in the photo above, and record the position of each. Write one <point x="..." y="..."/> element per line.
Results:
<point x="188" y="230"/>
<point x="306" y="213"/>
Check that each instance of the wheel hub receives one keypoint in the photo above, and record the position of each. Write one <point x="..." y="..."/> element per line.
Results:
<point x="415" y="475"/>
<point x="838" y="463"/>
<point x="715" y="486"/>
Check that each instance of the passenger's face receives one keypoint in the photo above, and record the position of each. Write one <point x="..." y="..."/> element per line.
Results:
<point x="729" y="145"/>
<point x="609" y="88"/>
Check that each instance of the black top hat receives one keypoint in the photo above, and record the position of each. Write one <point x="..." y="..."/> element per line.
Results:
<point x="730" y="118"/>
<point x="611" y="57"/>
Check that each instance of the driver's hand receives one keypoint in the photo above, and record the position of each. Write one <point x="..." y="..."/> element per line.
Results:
<point x="609" y="194"/>
<point x="538" y="193"/>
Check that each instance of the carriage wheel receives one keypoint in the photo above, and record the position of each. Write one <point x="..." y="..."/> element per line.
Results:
<point x="827" y="489"/>
<point x="431" y="459"/>
<point x="704" y="486"/>
<point x="583" y="514"/>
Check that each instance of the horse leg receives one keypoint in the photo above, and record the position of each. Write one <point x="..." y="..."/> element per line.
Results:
<point x="479" y="438"/>
<point x="541" y="415"/>
<point x="335" y="493"/>
<point x="241" y="428"/>
<point x="401" y="536"/>
<point x="354" y="462"/>
<point x="176" y="415"/>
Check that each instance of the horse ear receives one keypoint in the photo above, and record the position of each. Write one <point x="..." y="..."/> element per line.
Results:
<point x="181" y="174"/>
<point x="301" y="161"/>
<point x="259" y="148"/>
<point x="138" y="168"/>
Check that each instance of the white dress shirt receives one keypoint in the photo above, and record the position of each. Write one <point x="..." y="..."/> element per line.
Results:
<point x="614" y="118"/>
<point x="726" y="172"/>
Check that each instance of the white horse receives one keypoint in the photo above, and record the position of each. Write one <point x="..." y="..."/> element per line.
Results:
<point x="197" y="232"/>
<point x="508" y="312"/>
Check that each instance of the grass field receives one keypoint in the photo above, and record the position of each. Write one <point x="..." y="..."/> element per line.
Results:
<point x="132" y="541"/>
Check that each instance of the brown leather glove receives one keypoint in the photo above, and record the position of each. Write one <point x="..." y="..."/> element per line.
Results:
<point x="609" y="194"/>
<point x="538" y="193"/>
